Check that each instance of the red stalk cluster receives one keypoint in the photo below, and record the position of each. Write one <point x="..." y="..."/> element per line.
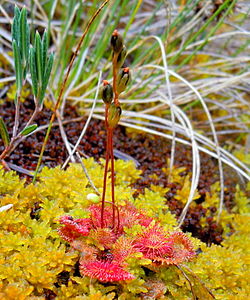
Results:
<point x="110" y="96"/>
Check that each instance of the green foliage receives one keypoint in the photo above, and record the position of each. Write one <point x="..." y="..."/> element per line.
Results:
<point x="27" y="130"/>
<point x="20" y="45"/>
<point x="33" y="257"/>
<point x="40" y="66"/>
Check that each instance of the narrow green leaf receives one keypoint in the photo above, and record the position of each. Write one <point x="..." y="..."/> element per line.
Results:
<point x="24" y="41"/>
<point x="4" y="133"/>
<point x="18" y="65"/>
<point x="15" y="26"/>
<point x="27" y="48"/>
<point x="46" y="77"/>
<point x="16" y="11"/>
<point x="27" y="130"/>
<point x="33" y="71"/>
<point x="44" y="51"/>
<point x="23" y="20"/>
<point x="38" y="51"/>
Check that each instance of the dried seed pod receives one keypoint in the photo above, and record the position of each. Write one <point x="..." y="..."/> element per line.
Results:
<point x="114" y="115"/>
<point x="121" y="57"/>
<point x="106" y="92"/>
<point x="116" y="42"/>
<point x="123" y="80"/>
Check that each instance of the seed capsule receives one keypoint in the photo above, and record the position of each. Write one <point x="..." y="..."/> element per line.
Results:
<point x="121" y="57"/>
<point x="114" y="115"/>
<point x="106" y="92"/>
<point x="123" y="80"/>
<point x="116" y="42"/>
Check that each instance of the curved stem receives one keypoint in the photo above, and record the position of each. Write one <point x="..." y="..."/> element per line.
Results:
<point x="17" y="114"/>
<point x="112" y="173"/>
<point x="114" y="63"/>
<point x="105" y="179"/>
<point x="118" y="215"/>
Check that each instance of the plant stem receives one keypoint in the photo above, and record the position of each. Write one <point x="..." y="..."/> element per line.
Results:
<point x="17" y="114"/>
<point x="112" y="173"/>
<point x="17" y="138"/>
<point x="105" y="178"/>
<point x="114" y="62"/>
<point x="5" y="165"/>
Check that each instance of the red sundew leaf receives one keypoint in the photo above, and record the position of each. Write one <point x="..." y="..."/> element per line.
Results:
<point x="87" y="252"/>
<point x="122" y="249"/>
<point x="105" y="271"/>
<point x="67" y="234"/>
<point x="73" y="228"/>
<point x="182" y="250"/>
<point x="156" y="289"/>
<point x="144" y="220"/>
<point x="153" y="243"/>
<point x="103" y="236"/>
<point x="130" y="215"/>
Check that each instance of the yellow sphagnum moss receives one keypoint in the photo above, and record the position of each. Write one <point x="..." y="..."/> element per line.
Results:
<point x="33" y="256"/>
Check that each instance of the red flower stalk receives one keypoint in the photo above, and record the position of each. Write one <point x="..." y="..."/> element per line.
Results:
<point x="96" y="216"/>
<point x="112" y="116"/>
<point x="153" y="243"/>
<point x="105" y="271"/>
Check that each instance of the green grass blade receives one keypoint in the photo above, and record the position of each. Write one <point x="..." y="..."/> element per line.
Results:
<point x="134" y="12"/>
<point x="200" y="31"/>
<point x="211" y="32"/>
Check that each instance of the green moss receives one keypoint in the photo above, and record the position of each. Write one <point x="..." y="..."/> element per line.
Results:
<point x="33" y="257"/>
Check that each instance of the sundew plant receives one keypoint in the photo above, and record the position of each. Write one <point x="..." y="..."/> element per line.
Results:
<point x="124" y="149"/>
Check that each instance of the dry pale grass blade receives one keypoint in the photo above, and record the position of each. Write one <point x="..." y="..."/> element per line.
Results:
<point x="86" y="124"/>
<point x="5" y="207"/>
<point x="170" y="101"/>
<point x="87" y="174"/>
<point x="186" y="124"/>
<point x="214" y="136"/>
<point x="64" y="137"/>
<point x="226" y="157"/>
<point x="196" y="92"/>
<point x="7" y="79"/>
<point x="73" y="81"/>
